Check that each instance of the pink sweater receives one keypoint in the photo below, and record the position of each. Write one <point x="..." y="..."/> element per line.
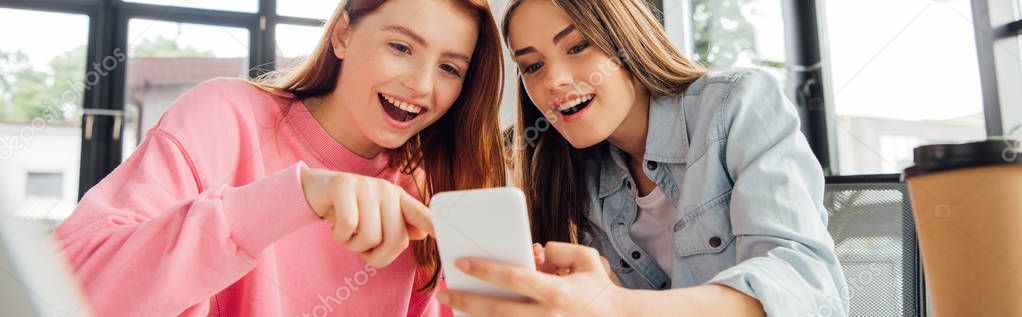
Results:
<point x="208" y="218"/>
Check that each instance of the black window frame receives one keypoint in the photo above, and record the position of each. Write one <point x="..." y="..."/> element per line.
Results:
<point x="996" y="23"/>
<point x="104" y="104"/>
<point x="108" y="27"/>
<point x="804" y="68"/>
<point x="807" y="68"/>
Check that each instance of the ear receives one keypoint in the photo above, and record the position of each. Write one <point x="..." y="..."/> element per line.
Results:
<point x="340" y="36"/>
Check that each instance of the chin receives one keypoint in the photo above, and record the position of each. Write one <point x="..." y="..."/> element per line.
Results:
<point x="392" y="143"/>
<point x="582" y="142"/>
<point x="585" y="145"/>
<point x="389" y="141"/>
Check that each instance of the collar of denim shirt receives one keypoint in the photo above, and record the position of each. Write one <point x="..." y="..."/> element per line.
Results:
<point x="666" y="142"/>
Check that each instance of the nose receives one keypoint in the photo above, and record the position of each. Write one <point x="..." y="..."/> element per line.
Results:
<point x="419" y="81"/>
<point x="558" y="78"/>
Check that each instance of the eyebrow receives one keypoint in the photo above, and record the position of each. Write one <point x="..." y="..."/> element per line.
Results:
<point x="560" y="35"/>
<point x="557" y="38"/>
<point x="406" y="31"/>
<point x="418" y="39"/>
<point x="458" y="56"/>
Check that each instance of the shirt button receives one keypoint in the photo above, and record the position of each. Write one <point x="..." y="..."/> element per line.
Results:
<point x="651" y="165"/>
<point x="715" y="242"/>
<point x="636" y="255"/>
<point x="625" y="264"/>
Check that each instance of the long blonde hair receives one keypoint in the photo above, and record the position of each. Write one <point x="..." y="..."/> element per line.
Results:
<point x="462" y="150"/>
<point x="549" y="169"/>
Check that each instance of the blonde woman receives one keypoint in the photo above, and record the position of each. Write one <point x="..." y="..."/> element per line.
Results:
<point x="303" y="197"/>
<point x="697" y="188"/>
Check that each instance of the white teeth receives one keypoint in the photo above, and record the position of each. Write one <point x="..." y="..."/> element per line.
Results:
<point x="574" y="102"/>
<point x="403" y="105"/>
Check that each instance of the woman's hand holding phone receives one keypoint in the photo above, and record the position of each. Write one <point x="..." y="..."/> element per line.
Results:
<point x="371" y="216"/>
<point x="572" y="279"/>
<point x="541" y="265"/>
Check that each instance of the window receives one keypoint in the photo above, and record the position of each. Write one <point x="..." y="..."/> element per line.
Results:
<point x="44" y="184"/>
<point x="738" y="33"/>
<point x="250" y="6"/>
<point x="316" y="9"/>
<point x="42" y="87"/>
<point x="896" y="78"/>
<point x="1012" y="115"/>
<point x="907" y="75"/>
<point x="48" y="86"/>
<point x="294" y="43"/>
<point x="726" y="34"/>
<point x="166" y="59"/>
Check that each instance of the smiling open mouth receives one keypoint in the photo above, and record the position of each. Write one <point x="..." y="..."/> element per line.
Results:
<point x="399" y="110"/>
<point x="576" y="105"/>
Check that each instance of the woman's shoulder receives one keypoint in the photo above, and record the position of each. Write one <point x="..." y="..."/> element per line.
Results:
<point x="219" y="123"/>
<point x="222" y="119"/>
<point x="220" y="103"/>
<point x="729" y="91"/>
<point x="711" y="92"/>
<point x="713" y="102"/>
<point x="732" y="80"/>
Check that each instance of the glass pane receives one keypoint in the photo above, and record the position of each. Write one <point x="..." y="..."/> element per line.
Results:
<point x="739" y="33"/>
<point x="42" y="83"/>
<point x="166" y="59"/>
<point x="250" y="6"/>
<point x="46" y="185"/>
<point x="316" y="9"/>
<point x="295" y="42"/>
<point x="1011" y="114"/>
<point x="908" y="77"/>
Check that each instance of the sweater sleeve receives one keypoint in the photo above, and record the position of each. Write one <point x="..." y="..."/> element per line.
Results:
<point x="146" y="240"/>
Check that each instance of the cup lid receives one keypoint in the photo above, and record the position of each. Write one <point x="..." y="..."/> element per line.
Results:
<point x="943" y="157"/>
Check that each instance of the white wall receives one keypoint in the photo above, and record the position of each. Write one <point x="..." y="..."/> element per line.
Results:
<point x="53" y="148"/>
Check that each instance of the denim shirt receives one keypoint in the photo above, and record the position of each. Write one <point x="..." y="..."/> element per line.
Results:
<point x="748" y="192"/>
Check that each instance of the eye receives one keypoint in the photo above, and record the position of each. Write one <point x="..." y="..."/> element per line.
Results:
<point x="532" y="68"/>
<point x="401" y="48"/>
<point x="578" y="48"/>
<point x="450" y="69"/>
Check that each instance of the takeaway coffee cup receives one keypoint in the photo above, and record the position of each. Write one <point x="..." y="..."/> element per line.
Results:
<point x="967" y="203"/>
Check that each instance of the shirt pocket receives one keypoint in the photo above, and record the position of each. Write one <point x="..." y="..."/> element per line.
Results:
<point x="600" y="242"/>
<point x="704" y="241"/>
<point x="629" y="277"/>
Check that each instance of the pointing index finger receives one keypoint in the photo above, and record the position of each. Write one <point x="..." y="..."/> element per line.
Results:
<point x="416" y="214"/>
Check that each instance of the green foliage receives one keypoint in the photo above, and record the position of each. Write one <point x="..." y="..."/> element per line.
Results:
<point x="722" y="33"/>
<point x="27" y="92"/>
<point x="56" y="93"/>
<point x="166" y="48"/>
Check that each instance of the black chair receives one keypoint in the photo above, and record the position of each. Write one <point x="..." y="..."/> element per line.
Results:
<point x="874" y="234"/>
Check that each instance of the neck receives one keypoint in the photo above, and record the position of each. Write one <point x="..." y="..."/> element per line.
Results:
<point x="329" y="112"/>
<point x="630" y="136"/>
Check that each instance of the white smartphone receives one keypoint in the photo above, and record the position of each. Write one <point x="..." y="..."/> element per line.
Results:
<point x="488" y="223"/>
